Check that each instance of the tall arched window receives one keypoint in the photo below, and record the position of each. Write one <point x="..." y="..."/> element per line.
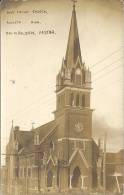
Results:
<point x="76" y="179"/>
<point x="72" y="99"/>
<point x="36" y="139"/>
<point x="78" y="76"/>
<point x="51" y="145"/>
<point x="58" y="102"/>
<point x="83" y="100"/>
<point x="49" y="178"/>
<point x="63" y="100"/>
<point x="77" y="100"/>
<point x="72" y="76"/>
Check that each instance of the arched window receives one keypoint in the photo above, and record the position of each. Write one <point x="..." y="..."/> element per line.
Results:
<point x="63" y="100"/>
<point x="62" y="74"/>
<point x="83" y="100"/>
<point x="76" y="179"/>
<point x="49" y="178"/>
<point x="77" y="100"/>
<point x="72" y="99"/>
<point x="72" y="76"/>
<point x="59" y="102"/>
<point x="45" y="158"/>
<point x="51" y="145"/>
<point x="62" y="82"/>
<point x="78" y="76"/>
<point x="36" y="139"/>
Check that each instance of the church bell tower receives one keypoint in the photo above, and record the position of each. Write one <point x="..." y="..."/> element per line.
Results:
<point x="73" y="115"/>
<point x="73" y="88"/>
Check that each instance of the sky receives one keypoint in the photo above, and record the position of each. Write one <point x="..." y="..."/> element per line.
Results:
<point x="33" y="62"/>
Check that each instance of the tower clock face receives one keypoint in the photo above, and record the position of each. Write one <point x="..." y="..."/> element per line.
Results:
<point x="79" y="127"/>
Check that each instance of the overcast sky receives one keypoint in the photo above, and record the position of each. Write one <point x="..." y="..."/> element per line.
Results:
<point x="34" y="61"/>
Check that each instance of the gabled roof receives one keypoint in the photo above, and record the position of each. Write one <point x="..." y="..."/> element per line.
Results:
<point x="44" y="129"/>
<point x="26" y="138"/>
<point x="73" y="47"/>
<point x="23" y="137"/>
<point x="51" y="158"/>
<point x="19" y="136"/>
<point x="82" y="156"/>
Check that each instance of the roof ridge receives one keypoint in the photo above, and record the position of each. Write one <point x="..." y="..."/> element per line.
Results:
<point x="43" y="125"/>
<point x="47" y="134"/>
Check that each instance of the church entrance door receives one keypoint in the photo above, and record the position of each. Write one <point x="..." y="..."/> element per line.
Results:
<point x="49" y="179"/>
<point x="76" y="178"/>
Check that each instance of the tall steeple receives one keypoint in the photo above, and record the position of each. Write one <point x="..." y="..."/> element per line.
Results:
<point x="73" y="87"/>
<point x="73" y="47"/>
<point x="73" y="72"/>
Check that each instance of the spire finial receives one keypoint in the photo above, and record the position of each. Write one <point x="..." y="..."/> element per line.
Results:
<point x="12" y="124"/>
<point x="74" y="2"/>
<point x="33" y="123"/>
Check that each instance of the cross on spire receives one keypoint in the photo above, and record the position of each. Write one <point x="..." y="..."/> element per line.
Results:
<point x="33" y="123"/>
<point x="74" y="2"/>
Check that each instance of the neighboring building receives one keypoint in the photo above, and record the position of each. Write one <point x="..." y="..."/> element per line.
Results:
<point x="3" y="174"/>
<point x="3" y="181"/>
<point x="115" y="171"/>
<point x="60" y="155"/>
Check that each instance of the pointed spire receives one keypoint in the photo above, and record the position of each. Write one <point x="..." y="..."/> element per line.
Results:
<point x="73" y="47"/>
<point x="33" y="123"/>
<point x="12" y="125"/>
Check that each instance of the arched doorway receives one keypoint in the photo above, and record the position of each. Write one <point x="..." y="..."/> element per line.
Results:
<point x="49" y="179"/>
<point x="76" y="178"/>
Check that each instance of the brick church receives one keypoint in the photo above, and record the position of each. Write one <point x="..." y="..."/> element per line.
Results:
<point x="60" y="155"/>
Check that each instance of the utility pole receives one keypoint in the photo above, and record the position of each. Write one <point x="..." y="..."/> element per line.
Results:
<point x="26" y="176"/>
<point x="38" y="171"/>
<point x="104" y="164"/>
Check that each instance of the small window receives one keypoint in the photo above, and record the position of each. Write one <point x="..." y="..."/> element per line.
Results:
<point x="21" y="172"/>
<point x="51" y="145"/>
<point x="72" y="99"/>
<point x="25" y="172"/>
<point x="36" y="139"/>
<point x="78" y="77"/>
<point x="16" y="146"/>
<point x="63" y="99"/>
<point x="83" y="100"/>
<point x="45" y="158"/>
<point x="16" y="172"/>
<point x="62" y="81"/>
<point x="29" y="172"/>
<point x="77" y="100"/>
<point x="71" y="77"/>
<point x="34" y="172"/>
<point x="62" y="74"/>
<point x="76" y="144"/>
<point x="78" y="71"/>
<point x="59" y="101"/>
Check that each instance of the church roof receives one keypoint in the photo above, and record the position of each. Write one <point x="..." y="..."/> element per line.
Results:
<point x="26" y="138"/>
<point x="23" y="137"/>
<point x="73" y="47"/>
<point x="115" y="163"/>
<point x="44" y="129"/>
<point x="115" y="158"/>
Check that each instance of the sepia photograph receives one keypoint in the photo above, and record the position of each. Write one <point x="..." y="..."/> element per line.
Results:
<point x="62" y="98"/>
